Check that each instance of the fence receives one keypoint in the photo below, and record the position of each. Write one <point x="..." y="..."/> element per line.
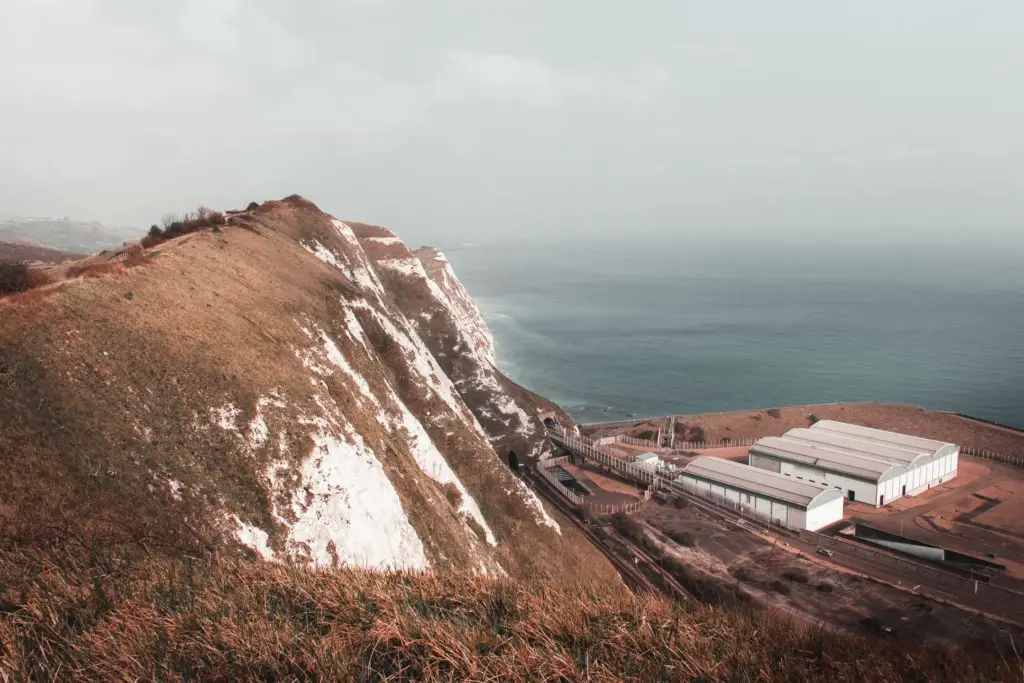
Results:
<point x="544" y="469"/>
<point x="992" y="455"/>
<point x="680" y="445"/>
<point x="588" y="450"/>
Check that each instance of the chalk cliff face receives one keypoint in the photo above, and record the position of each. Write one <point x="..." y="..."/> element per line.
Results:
<point x="294" y="386"/>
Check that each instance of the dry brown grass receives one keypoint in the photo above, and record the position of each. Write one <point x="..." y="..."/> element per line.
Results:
<point x="72" y="618"/>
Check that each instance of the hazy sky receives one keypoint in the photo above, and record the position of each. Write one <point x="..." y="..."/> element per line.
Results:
<point x="461" y="120"/>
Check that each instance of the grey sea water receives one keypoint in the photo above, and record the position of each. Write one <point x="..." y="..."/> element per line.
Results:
<point x="611" y="331"/>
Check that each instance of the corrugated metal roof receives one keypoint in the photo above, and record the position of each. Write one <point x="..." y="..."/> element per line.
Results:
<point x="833" y="459"/>
<point x="759" y="482"/>
<point x="882" y="436"/>
<point x="903" y="455"/>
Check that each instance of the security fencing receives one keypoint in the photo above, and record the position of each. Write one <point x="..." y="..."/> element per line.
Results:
<point x="992" y="455"/>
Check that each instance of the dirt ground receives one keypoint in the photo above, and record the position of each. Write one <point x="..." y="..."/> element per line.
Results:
<point x="753" y="424"/>
<point x="812" y="591"/>
<point x="601" y="484"/>
<point x="979" y="512"/>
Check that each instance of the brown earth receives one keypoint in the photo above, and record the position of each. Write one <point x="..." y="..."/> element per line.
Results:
<point x="11" y="252"/>
<point x="811" y="590"/>
<point x="754" y="424"/>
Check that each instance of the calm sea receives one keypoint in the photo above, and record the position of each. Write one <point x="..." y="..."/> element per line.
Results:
<point x="611" y="331"/>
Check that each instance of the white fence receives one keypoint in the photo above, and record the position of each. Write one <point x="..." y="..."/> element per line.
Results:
<point x="992" y="455"/>
<point x="584" y="502"/>
<point x="679" y="445"/>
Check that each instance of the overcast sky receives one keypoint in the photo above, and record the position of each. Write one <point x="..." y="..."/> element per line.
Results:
<point x="456" y="121"/>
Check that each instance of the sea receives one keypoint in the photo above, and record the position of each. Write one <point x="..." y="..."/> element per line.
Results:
<point x="614" y="330"/>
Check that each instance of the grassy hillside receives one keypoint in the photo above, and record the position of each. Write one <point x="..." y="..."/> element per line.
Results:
<point x="102" y="619"/>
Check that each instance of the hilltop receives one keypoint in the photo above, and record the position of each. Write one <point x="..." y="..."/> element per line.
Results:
<point x="270" y="386"/>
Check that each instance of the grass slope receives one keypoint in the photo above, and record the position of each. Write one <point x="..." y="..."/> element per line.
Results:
<point x="64" y="617"/>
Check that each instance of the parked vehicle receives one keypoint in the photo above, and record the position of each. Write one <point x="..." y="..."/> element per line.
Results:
<point x="826" y="552"/>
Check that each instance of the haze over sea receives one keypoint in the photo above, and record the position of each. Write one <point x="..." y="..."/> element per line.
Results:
<point x="616" y="330"/>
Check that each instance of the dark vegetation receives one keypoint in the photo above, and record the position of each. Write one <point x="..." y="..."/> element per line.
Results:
<point x="797" y="575"/>
<point x="20" y="277"/>
<point x="774" y="413"/>
<point x="175" y="226"/>
<point x="812" y="418"/>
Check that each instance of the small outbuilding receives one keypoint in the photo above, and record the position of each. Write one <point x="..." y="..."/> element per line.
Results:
<point x="769" y="495"/>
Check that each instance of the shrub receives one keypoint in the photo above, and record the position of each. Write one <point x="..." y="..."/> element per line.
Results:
<point x="134" y="255"/>
<point x="648" y="434"/>
<point x="825" y="587"/>
<point x="797" y="575"/>
<point x="682" y="538"/>
<point x="680" y="503"/>
<point x="252" y="206"/>
<point x="155" y="231"/>
<point x="19" y="277"/>
<point x="812" y="418"/>
<point x="780" y="587"/>
<point x="774" y="412"/>
<point x="697" y="434"/>
<point x="742" y="573"/>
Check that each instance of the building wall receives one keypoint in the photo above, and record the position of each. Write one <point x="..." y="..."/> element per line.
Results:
<point x="790" y="515"/>
<point x="865" y="492"/>
<point x="820" y="515"/>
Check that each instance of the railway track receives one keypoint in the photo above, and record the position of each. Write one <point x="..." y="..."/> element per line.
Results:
<point x="634" y="577"/>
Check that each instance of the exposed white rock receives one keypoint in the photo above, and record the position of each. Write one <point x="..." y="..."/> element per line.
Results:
<point x="227" y="417"/>
<point x="347" y="503"/>
<point x="324" y="254"/>
<point x="254" y="537"/>
<point x="437" y="468"/>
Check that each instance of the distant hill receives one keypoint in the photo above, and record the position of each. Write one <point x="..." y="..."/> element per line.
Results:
<point x="28" y="250"/>
<point x="63" y="234"/>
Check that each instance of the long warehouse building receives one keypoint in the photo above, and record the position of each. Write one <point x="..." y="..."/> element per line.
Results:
<point x="771" y="496"/>
<point x="868" y="465"/>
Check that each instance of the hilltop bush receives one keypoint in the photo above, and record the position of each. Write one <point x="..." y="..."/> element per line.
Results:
<point x="697" y="434"/>
<point x="175" y="226"/>
<point x="774" y="413"/>
<point x="20" y="277"/>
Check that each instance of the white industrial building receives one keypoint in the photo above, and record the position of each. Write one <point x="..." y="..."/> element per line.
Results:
<point x="796" y="504"/>
<point x="867" y="465"/>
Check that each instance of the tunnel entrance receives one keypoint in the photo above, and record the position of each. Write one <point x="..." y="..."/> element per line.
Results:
<point x="513" y="461"/>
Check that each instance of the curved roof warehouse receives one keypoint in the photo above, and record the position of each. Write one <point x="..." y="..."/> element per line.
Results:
<point x="794" y="503"/>
<point x="869" y="465"/>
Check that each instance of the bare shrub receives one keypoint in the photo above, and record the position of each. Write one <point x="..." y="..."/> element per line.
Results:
<point x="20" y="277"/>
<point x="683" y="538"/>
<point x="742" y="573"/>
<point x="797" y="575"/>
<point x="134" y="255"/>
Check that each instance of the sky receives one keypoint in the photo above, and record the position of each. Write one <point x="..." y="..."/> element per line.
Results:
<point x="456" y="121"/>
